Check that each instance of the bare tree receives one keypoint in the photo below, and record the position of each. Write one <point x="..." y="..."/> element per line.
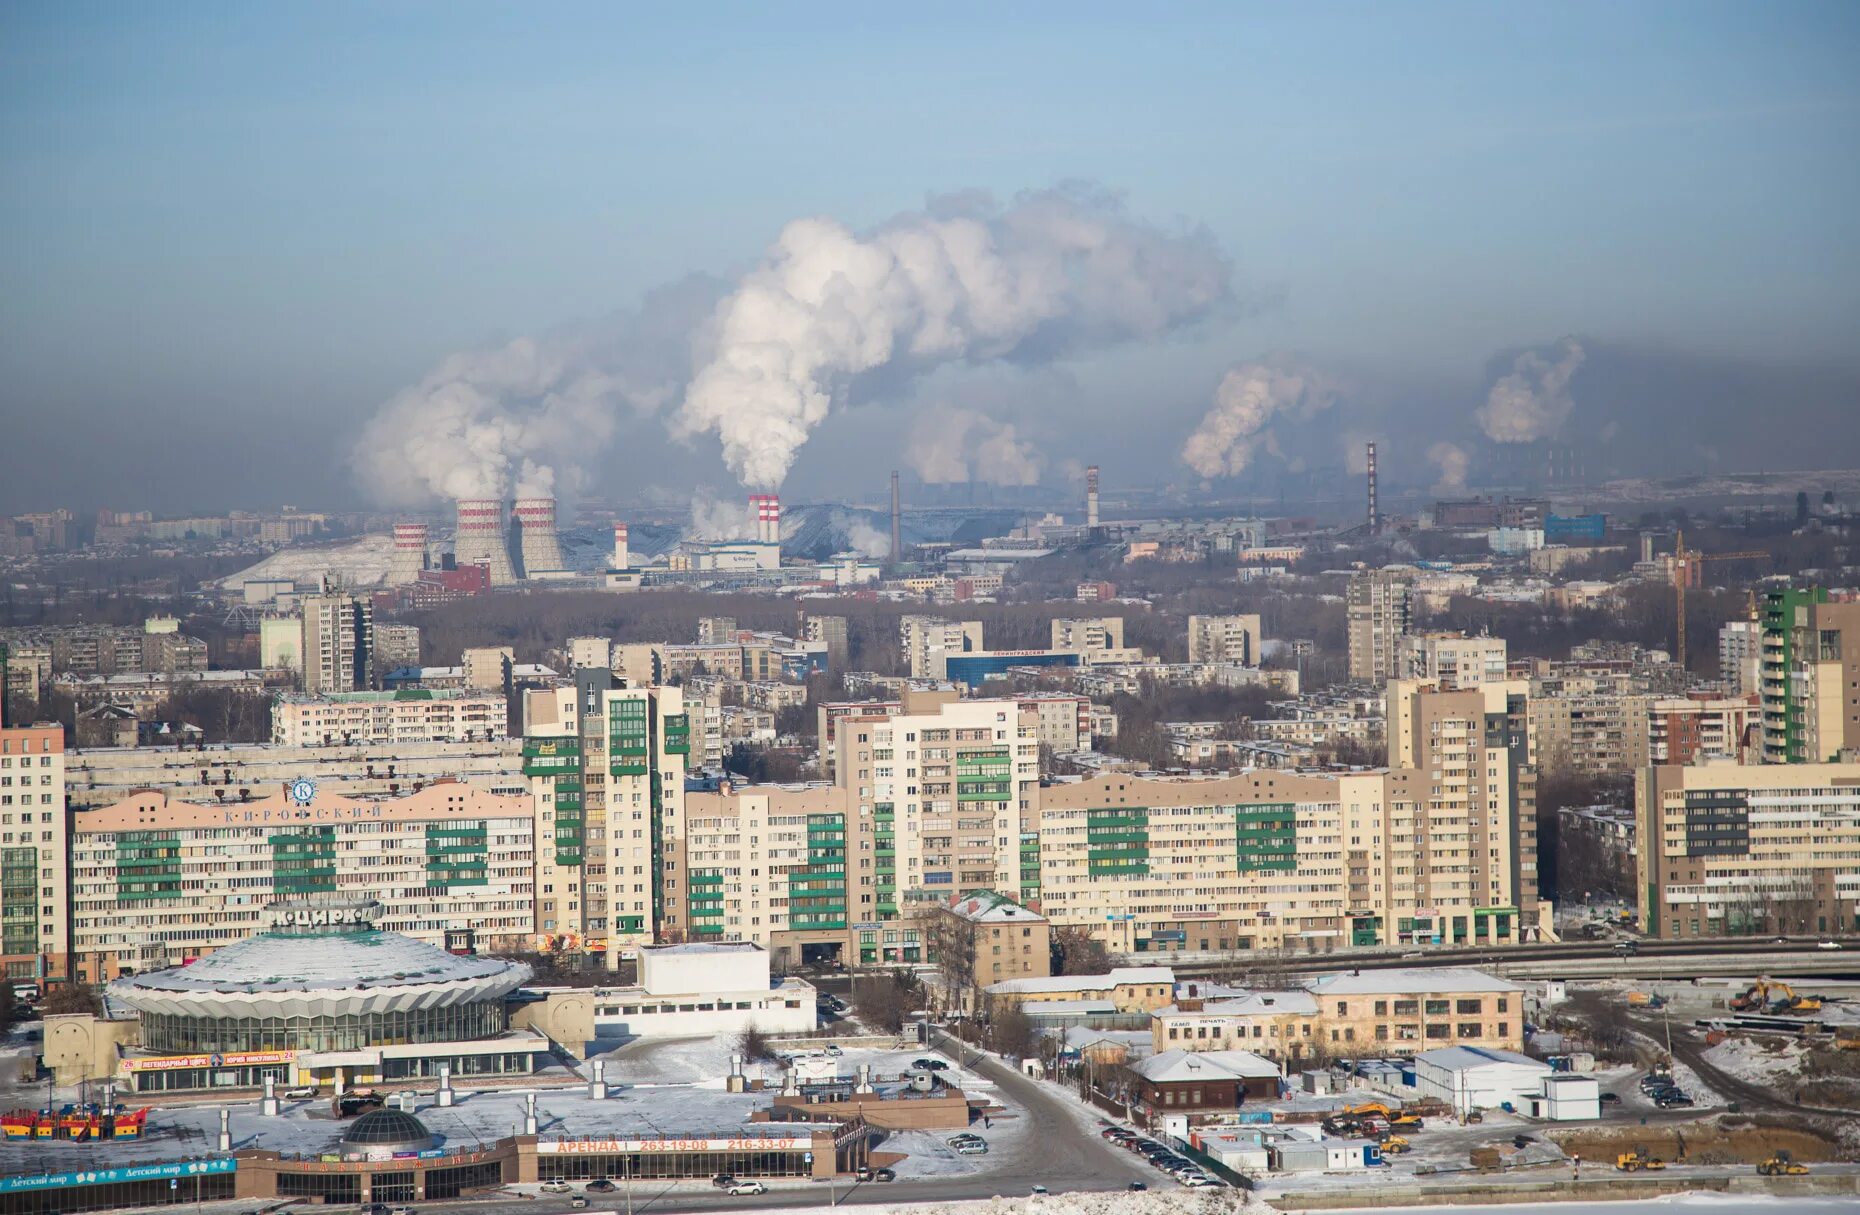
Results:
<point x="885" y="1001"/>
<point x="1013" y="1030"/>
<point x="1077" y="952"/>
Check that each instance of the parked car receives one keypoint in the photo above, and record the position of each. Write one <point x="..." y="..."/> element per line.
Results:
<point x="1667" y="1101"/>
<point x="972" y="1149"/>
<point x="930" y="1065"/>
<point x="835" y="1051"/>
<point x="868" y="1173"/>
<point x="1137" y="1187"/>
<point x="723" y="1181"/>
<point x="747" y="1187"/>
<point x="400" y="1210"/>
<point x="557" y="1186"/>
<point x="1611" y="1098"/>
<point x="1196" y="1181"/>
<point x="303" y="1092"/>
<point x="1038" y="1188"/>
<point x="600" y="1185"/>
<point x="373" y="1208"/>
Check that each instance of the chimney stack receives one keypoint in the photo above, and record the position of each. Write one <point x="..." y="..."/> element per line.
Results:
<point x="538" y="550"/>
<point x="897" y="547"/>
<point x="480" y="539"/>
<point x="622" y="558"/>
<point x="1091" y="496"/>
<point x="409" y="554"/>
<point x="1375" y="519"/>
<point x="767" y="510"/>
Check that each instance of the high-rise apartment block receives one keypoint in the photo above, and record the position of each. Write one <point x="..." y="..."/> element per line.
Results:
<point x="924" y="640"/>
<point x="35" y="903"/>
<point x="1744" y="850"/>
<point x="338" y="643"/>
<point x="1226" y="639"/>
<point x="607" y="768"/>
<point x="1453" y="661"/>
<point x="829" y="631"/>
<point x="1810" y="676"/>
<point x="1090" y="634"/>
<point x="1740" y="657"/>
<point x="1380" y="608"/>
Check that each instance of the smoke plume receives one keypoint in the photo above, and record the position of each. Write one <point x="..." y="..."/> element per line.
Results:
<point x="967" y="281"/>
<point x="1248" y="398"/>
<point x="1533" y="401"/>
<point x="950" y="445"/>
<point x="1451" y="460"/>
<point x="715" y="519"/>
<point x="866" y="540"/>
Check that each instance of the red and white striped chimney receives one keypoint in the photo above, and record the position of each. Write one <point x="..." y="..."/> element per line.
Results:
<point x="409" y="554"/>
<point x="480" y="539"/>
<point x="537" y="546"/>
<point x="767" y="510"/>
<point x="622" y="558"/>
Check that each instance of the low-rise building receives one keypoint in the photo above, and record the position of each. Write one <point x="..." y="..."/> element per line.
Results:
<point x="1128" y="989"/>
<point x="1472" y="1078"/>
<point x="1204" y="1083"/>
<point x="717" y="988"/>
<point x="352" y="718"/>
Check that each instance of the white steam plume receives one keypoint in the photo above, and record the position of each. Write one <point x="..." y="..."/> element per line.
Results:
<point x="1451" y="460"/>
<point x="950" y="445"/>
<point x="714" y="519"/>
<point x="526" y="417"/>
<point x="1533" y="401"/>
<point x="967" y="281"/>
<point x="866" y="540"/>
<point x="1249" y="397"/>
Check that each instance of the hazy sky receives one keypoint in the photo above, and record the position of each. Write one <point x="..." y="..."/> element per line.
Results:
<point x="228" y="233"/>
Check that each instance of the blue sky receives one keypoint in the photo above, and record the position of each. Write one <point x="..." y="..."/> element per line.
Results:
<point x="241" y="215"/>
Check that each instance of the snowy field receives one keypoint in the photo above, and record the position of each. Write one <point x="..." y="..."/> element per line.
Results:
<point x="1767" y="1061"/>
<point x="1700" y="1203"/>
<point x="1165" y="1202"/>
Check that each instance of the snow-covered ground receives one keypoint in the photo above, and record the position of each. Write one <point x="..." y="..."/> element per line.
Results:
<point x="1155" y="1202"/>
<point x="1766" y="1061"/>
<point x="1704" y="1202"/>
<point x="360" y="563"/>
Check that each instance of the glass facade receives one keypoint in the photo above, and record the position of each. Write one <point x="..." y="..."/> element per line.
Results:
<point x="167" y="1034"/>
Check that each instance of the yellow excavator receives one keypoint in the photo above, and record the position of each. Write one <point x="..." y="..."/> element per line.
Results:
<point x="1781" y="1165"/>
<point x="1786" y="1000"/>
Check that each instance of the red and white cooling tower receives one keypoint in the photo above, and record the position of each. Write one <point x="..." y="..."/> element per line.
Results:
<point x="622" y="557"/>
<point x="767" y="511"/>
<point x="409" y="554"/>
<point x="537" y="548"/>
<point x="480" y="539"/>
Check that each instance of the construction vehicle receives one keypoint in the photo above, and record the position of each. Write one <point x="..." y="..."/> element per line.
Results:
<point x="1754" y="998"/>
<point x="1629" y="1162"/>
<point x="1779" y="1165"/>
<point x="1396" y="1144"/>
<point x="1788" y="1001"/>
<point x="1406" y="1120"/>
<point x="1640" y="999"/>
<point x="1372" y="1107"/>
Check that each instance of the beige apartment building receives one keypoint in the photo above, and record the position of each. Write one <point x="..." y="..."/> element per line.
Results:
<point x="1089" y="634"/>
<point x="1453" y="661"/>
<point x="1379" y="607"/>
<point x="1225" y="639"/>
<point x="1727" y="849"/>
<point x="35" y="925"/>
<point x="924" y="640"/>
<point x="338" y="643"/>
<point x="352" y="718"/>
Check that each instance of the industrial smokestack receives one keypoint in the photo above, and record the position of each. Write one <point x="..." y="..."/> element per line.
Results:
<point x="409" y="554"/>
<point x="897" y="545"/>
<point x="1091" y="496"/>
<point x="767" y="511"/>
<point x="1375" y="519"/>
<point x="537" y="549"/>
<point x="622" y="558"/>
<point x="480" y="539"/>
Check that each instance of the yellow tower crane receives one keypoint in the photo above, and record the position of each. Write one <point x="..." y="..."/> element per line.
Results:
<point x="1685" y="565"/>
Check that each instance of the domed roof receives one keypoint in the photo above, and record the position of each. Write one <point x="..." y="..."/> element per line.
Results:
<point x="383" y="1133"/>
<point x="329" y="967"/>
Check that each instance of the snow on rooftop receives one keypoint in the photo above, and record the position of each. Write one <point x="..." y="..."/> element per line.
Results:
<point x="1409" y="981"/>
<point x="1175" y="1065"/>
<point x="1119" y="975"/>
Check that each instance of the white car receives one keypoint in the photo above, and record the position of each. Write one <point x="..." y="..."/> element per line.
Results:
<point x="556" y="1187"/>
<point x="971" y="1149"/>
<point x="1196" y="1181"/>
<point x="747" y="1187"/>
<point x="1827" y="945"/>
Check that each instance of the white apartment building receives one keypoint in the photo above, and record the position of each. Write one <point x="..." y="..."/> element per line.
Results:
<point x="923" y="640"/>
<point x="350" y="718"/>
<point x="338" y="643"/>
<point x="35" y="930"/>
<point x="1740" y="656"/>
<point x="1231" y="639"/>
<point x="1453" y="661"/>
<point x="1088" y="634"/>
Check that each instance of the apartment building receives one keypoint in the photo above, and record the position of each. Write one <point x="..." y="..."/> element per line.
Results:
<point x="951" y="789"/>
<point x="1687" y="729"/>
<point x="1088" y="634"/>
<point x="1453" y="661"/>
<point x="35" y="927"/>
<point x="786" y="868"/>
<point x="607" y="767"/>
<point x="1347" y="1013"/>
<point x="1597" y="734"/>
<point x="157" y="881"/>
<point x="981" y="939"/>
<point x="1230" y="639"/>
<point x="924" y="641"/>
<point x="241" y="771"/>
<point x="1810" y="676"/>
<point x="350" y="718"/>
<point x="1740" y="657"/>
<point x="338" y="643"/>
<point x="1726" y="849"/>
<point x="1379" y="607"/>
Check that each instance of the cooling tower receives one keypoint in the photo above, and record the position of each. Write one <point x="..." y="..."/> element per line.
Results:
<point x="409" y="554"/>
<point x="480" y="539"/>
<point x="622" y="557"/>
<point x="537" y="548"/>
<point x="767" y="511"/>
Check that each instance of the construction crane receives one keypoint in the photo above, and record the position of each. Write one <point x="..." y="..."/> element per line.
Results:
<point x="1684" y="563"/>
